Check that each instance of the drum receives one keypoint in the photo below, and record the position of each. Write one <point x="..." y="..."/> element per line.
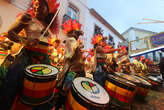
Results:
<point x="86" y="94"/>
<point x="120" y="90"/>
<point x="39" y="82"/>
<point x="154" y="81"/>
<point x="143" y="88"/>
<point x="130" y="78"/>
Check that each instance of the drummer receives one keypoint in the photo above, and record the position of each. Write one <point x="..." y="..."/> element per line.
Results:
<point x="32" y="24"/>
<point x="73" y="59"/>
<point x="103" y="50"/>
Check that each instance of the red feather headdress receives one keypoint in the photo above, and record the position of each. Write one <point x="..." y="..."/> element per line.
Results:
<point x="71" y="25"/>
<point x="97" y="39"/>
<point x="52" y="7"/>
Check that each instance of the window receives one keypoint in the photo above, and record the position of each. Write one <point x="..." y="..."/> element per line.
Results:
<point x="98" y="30"/>
<point x="154" y="56"/>
<point x="72" y="13"/>
<point x="146" y="55"/>
<point x="111" y="40"/>
<point x="137" y="37"/>
<point x="160" y="55"/>
<point x="127" y="39"/>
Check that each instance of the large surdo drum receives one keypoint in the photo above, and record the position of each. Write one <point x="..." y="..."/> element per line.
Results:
<point x="39" y="82"/>
<point x="143" y="88"/>
<point x="142" y="85"/>
<point x="120" y="90"/>
<point x="130" y="78"/>
<point x="86" y="94"/>
<point x="154" y="81"/>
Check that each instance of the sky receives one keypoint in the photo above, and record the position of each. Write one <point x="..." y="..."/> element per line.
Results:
<point x="123" y="14"/>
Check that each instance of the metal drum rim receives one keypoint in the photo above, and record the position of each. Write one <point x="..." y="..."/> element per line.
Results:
<point x="40" y="76"/>
<point x="143" y="82"/>
<point x="137" y="82"/>
<point x="119" y="79"/>
<point x="85" y="100"/>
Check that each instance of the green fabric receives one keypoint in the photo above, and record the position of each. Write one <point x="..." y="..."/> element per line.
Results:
<point x="3" y="73"/>
<point x="117" y="102"/>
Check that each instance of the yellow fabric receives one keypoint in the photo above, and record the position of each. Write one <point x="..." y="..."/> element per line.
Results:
<point x="38" y="86"/>
<point x="117" y="89"/>
<point x="74" y="104"/>
<point x="70" y="46"/>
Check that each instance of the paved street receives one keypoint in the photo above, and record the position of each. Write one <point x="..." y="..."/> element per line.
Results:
<point x="154" y="101"/>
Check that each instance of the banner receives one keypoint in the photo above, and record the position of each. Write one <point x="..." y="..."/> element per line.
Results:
<point x="157" y="40"/>
<point x="146" y="45"/>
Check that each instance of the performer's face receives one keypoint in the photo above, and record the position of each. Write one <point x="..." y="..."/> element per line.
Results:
<point x="40" y="9"/>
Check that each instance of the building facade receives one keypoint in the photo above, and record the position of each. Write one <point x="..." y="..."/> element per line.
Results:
<point x="138" y="35"/>
<point x="91" y="21"/>
<point x="95" y="24"/>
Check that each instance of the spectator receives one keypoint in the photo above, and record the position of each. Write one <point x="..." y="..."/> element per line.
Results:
<point x="161" y="66"/>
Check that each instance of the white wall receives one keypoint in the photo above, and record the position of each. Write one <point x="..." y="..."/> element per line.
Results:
<point x="63" y="10"/>
<point x="23" y="4"/>
<point x="90" y="23"/>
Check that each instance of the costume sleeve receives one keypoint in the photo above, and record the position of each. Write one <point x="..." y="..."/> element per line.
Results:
<point x="17" y="26"/>
<point x="71" y="45"/>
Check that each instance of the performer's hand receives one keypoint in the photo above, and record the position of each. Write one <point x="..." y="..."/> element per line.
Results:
<point x="5" y="45"/>
<point x="88" y="75"/>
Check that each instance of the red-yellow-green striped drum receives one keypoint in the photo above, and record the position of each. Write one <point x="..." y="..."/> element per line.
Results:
<point x="143" y="88"/>
<point x="121" y="91"/>
<point x="130" y="78"/>
<point x="39" y="82"/>
<point x="154" y="81"/>
<point x="86" y="94"/>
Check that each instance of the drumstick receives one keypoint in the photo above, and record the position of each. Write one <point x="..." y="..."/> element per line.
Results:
<point x="50" y="23"/>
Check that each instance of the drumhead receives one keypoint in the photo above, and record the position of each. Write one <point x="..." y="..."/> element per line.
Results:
<point x="144" y="82"/>
<point x="90" y="90"/>
<point x="153" y="78"/>
<point x="41" y="70"/>
<point x="128" y="77"/>
<point x="121" y="80"/>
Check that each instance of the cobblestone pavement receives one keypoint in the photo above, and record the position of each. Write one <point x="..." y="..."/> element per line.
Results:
<point x="154" y="101"/>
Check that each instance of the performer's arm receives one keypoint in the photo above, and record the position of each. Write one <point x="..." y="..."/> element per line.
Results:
<point x="18" y="25"/>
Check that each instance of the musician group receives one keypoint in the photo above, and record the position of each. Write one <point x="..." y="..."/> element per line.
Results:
<point x="24" y="45"/>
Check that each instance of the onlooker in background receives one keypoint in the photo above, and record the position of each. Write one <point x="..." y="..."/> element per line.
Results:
<point x="161" y="66"/>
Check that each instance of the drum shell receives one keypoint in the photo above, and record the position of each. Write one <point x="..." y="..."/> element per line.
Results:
<point x="154" y="83"/>
<point x="142" y="88"/>
<point x="75" y="101"/>
<point x="130" y="78"/>
<point x="37" y="89"/>
<point x="121" y="94"/>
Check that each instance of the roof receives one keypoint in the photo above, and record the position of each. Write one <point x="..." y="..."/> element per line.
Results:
<point x="137" y="29"/>
<point x="103" y="21"/>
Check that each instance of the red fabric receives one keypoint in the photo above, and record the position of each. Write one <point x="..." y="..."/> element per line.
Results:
<point x="36" y="94"/>
<point x="56" y="90"/>
<point x="67" y="106"/>
<point x="118" y="96"/>
<point x="37" y="49"/>
<point x="18" y="105"/>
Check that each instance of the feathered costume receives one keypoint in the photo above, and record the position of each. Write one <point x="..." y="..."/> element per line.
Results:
<point x="73" y="61"/>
